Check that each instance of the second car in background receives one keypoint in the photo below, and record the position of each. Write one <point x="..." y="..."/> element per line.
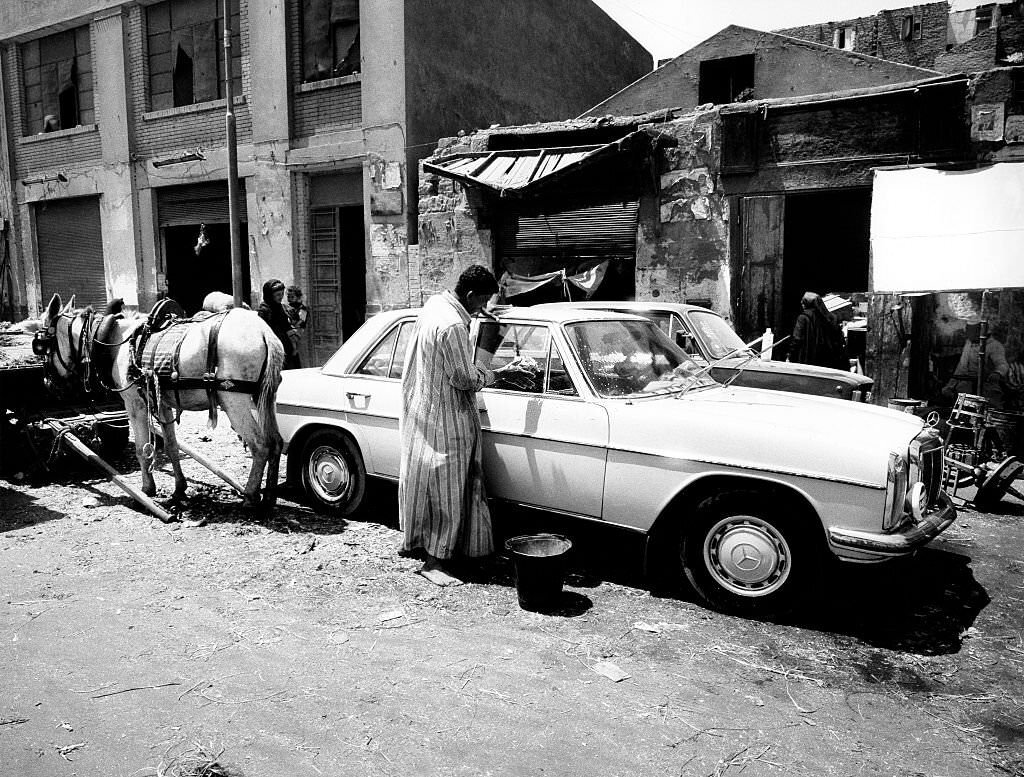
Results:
<point x="709" y="339"/>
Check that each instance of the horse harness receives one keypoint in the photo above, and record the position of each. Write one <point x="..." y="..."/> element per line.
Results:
<point x="154" y="354"/>
<point x="156" y="351"/>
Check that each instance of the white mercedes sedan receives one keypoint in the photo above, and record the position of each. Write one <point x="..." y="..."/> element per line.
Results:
<point x="745" y="492"/>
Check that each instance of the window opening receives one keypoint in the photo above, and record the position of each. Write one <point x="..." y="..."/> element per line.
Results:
<point x="726" y="80"/>
<point x="185" y="45"/>
<point x="982" y="20"/>
<point x="330" y="38"/>
<point x="57" y="81"/>
<point x="844" y="38"/>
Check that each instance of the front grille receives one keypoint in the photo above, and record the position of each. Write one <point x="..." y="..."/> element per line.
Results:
<point x="926" y="463"/>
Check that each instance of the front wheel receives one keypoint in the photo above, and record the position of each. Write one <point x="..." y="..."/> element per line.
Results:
<point x="745" y="557"/>
<point x="333" y="474"/>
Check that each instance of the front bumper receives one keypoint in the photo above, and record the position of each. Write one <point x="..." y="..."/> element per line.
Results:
<point x="864" y="545"/>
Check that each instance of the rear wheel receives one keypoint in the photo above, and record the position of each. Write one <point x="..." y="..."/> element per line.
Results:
<point x="745" y="556"/>
<point x="333" y="474"/>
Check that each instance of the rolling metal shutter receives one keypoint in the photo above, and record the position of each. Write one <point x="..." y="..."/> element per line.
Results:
<point x="606" y="231"/>
<point x="201" y="203"/>
<point x="70" y="242"/>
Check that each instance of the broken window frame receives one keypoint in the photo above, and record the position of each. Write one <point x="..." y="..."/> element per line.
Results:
<point x="179" y="75"/>
<point x="983" y="19"/>
<point x="844" y="38"/>
<point x="57" y="83"/>
<point x="330" y="39"/>
<point x="726" y="77"/>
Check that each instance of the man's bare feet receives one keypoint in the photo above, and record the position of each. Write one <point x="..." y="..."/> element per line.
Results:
<point x="434" y="571"/>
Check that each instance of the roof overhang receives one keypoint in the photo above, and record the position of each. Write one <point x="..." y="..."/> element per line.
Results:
<point x="520" y="172"/>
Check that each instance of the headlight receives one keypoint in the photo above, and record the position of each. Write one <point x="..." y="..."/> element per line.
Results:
<point x="895" y="491"/>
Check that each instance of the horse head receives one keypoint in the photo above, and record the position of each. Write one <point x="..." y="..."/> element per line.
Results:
<point x="54" y="339"/>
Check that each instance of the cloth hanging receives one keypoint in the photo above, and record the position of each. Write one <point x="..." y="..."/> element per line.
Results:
<point x="588" y="280"/>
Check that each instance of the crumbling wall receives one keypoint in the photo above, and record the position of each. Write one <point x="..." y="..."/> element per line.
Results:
<point x="881" y="35"/>
<point x="683" y="240"/>
<point x="451" y="236"/>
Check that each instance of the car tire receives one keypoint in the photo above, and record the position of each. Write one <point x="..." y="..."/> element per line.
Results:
<point x="332" y="472"/>
<point x="747" y="557"/>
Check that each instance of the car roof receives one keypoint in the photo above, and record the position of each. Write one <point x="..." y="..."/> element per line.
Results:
<point x="630" y="305"/>
<point x="541" y="313"/>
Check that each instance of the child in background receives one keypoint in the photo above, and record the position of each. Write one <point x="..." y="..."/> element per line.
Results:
<point x="298" y="315"/>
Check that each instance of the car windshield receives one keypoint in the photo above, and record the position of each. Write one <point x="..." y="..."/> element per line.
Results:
<point x="719" y="336"/>
<point x="624" y="358"/>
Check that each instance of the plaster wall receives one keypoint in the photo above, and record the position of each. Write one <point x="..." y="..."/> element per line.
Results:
<point x="385" y="133"/>
<point x="783" y="67"/>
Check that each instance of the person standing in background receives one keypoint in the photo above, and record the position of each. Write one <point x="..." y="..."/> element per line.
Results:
<point x="298" y="315"/>
<point x="272" y="311"/>
<point x="817" y="338"/>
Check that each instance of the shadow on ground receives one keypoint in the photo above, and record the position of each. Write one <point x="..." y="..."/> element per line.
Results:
<point x="18" y="509"/>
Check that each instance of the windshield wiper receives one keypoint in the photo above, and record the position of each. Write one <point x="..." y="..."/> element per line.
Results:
<point x="743" y="365"/>
<point x="751" y="354"/>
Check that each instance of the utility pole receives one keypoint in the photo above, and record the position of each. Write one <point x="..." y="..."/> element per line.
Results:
<point x="229" y="119"/>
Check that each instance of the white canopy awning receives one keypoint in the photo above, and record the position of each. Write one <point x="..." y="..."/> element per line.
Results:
<point x="940" y="230"/>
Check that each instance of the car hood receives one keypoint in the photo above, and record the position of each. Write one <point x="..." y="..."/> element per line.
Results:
<point x="772" y="367"/>
<point x="766" y="430"/>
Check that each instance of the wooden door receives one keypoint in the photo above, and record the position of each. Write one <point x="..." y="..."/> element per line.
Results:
<point x="325" y="308"/>
<point x="759" y="303"/>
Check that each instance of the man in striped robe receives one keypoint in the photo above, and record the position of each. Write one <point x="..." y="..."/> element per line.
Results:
<point x="442" y="504"/>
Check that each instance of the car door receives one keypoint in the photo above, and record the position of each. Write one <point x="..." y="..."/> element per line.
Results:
<point x="372" y="399"/>
<point x="544" y="445"/>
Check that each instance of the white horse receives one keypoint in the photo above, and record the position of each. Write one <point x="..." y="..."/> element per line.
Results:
<point x="98" y="351"/>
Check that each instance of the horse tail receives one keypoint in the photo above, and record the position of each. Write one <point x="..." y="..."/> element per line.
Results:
<point x="266" y="410"/>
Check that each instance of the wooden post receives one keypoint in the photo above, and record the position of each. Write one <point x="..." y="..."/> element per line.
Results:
<point x="86" y="453"/>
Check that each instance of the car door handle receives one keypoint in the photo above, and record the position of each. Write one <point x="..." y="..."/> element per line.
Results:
<point x="353" y="394"/>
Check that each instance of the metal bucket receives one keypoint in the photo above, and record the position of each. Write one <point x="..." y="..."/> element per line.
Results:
<point x="906" y="405"/>
<point x="1007" y="428"/>
<point x="539" y="561"/>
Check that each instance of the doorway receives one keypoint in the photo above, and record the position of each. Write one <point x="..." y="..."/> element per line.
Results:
<point x="194" y="270"/>
<point x="337" y="303"/>
<point x="826" y="247"/>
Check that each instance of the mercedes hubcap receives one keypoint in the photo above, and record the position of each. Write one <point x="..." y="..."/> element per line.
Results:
<point x="747" y="556"/>
<point x="329" y="473"/>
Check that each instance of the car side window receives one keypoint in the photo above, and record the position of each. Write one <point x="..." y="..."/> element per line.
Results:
<point x="683" y="337"/>
<point x="498" y="344"/>
<point x="387" y="358"/>
<point x="559" y="381"/>
<point x="405" y="334"/>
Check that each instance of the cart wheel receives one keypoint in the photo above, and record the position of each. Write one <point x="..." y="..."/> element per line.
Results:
<point x="998" y="483"/>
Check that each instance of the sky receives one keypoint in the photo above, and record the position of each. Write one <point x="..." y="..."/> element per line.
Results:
<point x="669" y="27"/>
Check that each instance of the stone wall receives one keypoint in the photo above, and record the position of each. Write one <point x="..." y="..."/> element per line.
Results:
<point x="683" y="240"/>
<point x="451" y="237"/>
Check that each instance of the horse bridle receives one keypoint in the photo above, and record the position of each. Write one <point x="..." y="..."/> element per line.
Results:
<point x="45" y="343"/>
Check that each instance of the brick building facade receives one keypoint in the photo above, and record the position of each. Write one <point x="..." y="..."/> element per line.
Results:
<point x="113" y="156"/>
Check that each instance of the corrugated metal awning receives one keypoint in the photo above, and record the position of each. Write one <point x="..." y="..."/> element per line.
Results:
<point x="515" y="172"/>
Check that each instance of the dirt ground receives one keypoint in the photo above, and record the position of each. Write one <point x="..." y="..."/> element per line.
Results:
<point x="300" y="646"/>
